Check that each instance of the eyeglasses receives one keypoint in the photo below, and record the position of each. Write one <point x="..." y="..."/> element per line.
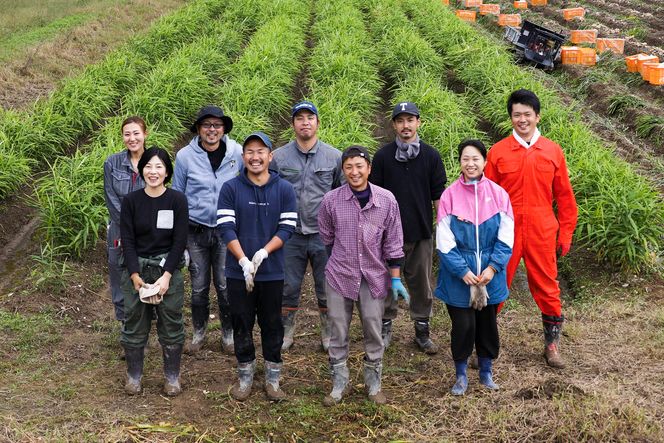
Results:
<point x="212" y="125"/>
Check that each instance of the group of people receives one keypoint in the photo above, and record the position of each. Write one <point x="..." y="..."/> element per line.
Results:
<point x="252" y="219"/>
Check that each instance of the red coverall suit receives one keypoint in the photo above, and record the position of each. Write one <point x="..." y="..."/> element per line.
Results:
<point x="533" y="178"/>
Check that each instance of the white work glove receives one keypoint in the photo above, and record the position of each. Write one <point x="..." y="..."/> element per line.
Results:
<point x="478" y="297"/>
<point x="259" y="256"/>
<point x="150" y="294"/>
<point x="248" y="270"/>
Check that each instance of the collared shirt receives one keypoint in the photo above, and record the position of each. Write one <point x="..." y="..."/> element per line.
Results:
<point x="119" y="180"/>
<point x="312" y="174"/>
<point x="362" y="240"/>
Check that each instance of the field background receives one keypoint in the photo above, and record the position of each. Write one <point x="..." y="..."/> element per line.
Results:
<point x="62" y="379"/>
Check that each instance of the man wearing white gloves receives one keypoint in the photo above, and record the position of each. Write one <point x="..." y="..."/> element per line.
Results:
<point x="257" y="214"/>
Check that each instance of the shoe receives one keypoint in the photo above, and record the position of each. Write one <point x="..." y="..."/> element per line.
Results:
<point x="134" y="358"/>
<point x="272" y="375"/>
<point x="386" y="333"/>
<point x="373" y="371"/>
<point x="172" y="357"/>
<point x="486" y="375"/>
<point x="422" y="339"/>
<point x="552" y="329"/>
<point x="288" y="320"/>
<point x="242" y="388"/>
<point x="340" y="383"/>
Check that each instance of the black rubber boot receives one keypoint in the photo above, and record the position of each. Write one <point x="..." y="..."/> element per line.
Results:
<point x="172" y="358"/>
<point x="552" y="329"/>
<point x="134" y="359"/>
<point x="199" y="319"/>
<point x="422" y="337"/>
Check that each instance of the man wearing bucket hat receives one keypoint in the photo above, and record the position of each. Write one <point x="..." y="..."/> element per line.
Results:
<point x="256" y="216"/>
<point x="413" y="171"/>
<point x="313" y="168"/>
<point x="201" y="169"/>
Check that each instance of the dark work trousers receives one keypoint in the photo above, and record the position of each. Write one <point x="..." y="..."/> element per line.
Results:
<point x="472" y="327"/>
<point x="263" y="302"/>
<point x="299" y="250"/>
<point x="416" y="274"/>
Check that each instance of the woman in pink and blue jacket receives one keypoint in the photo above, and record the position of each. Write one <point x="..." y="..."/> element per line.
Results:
<point x="474" y="240"/>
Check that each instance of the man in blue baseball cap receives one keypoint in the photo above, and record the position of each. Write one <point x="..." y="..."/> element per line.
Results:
<point x="313" y="168"/>
<point x="201" y="169"/>
<point x="256" y="216"/>
<point x="413" y="171"/>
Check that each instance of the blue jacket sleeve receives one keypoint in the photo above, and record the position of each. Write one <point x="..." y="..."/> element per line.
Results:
<point x="288" y="215"/>
<point x="502" y="250"/>
<point x="447" y="249"/>
<point x="226" y="226"/>
<point x="180" y="174"/>
<point x="112" y="199"/>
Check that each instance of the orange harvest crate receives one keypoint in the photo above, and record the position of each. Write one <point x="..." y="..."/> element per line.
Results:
<point x="656" y="76"/>
<point x="588" y="56"/>
<point x="645" y="70"/>
<point x="509" y="19"/>
<point x="520" y="4"/>
<point x="538" y="2"/>
<point x="643" y="59"/>
<point x="465" y="15"/>
<point x="471" y="3"/>
<point x="583" y="36"/>
<point x="570" y="55"/>
<point x="632" y="62"/>
<point x="490" y="8"/>
<point x="572" y="13"/>
<point x="615" y="45"/>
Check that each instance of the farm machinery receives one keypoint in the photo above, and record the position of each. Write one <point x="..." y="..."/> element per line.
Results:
<point x="535" y="44"/>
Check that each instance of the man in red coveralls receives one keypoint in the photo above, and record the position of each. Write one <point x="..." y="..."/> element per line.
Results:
<point x="533" y="171"/>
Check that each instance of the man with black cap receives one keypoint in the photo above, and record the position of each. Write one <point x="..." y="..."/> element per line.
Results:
<point x="413" y="171"/>
<point x="361" y="228"/>
<point x="201" y="169"/>
<point x="313" y="168"/>
<point x="256" y="216"/>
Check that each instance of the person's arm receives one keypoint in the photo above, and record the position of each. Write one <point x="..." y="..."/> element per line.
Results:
<point x="127" y="234"/>
<point x="180" y="173"/>
<point x="226" y="227"/>
<point x="502" y="249"/>
<point x="180" y="232"/>
<point x="449" y="254"/>
<point x="392" y="247"/>
<point x="112" y="199"/>
<point x="568" y="212"/>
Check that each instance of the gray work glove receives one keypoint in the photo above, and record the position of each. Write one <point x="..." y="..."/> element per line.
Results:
<point x="478" y="297"/>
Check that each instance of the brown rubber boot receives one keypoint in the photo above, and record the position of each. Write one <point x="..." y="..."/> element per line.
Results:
<point x="552" y="328"/>
<point x="272" y="376"/>
<point x="242" y="388"/>
<point x="553" y="357"/>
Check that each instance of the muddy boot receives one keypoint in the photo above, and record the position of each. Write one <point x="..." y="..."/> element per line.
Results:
<point x="373" y="371"/>
<point x="422" y="337"/>
<point x="242" y="388"/>
<point x="134" y="359"/>
<point x="227" y="342"/>
<point x="461" y="384"/>
<point x="288" y="320"/>
<point x="340" y="383"/>
<point x="172" y="358"/>
<point x="325" y="329"/>
<point x="272" y="375"/>
<point x="386" y="333"/>
<point x="552" y="328"/>
<point x="486" y="374"/>
<point x="199" y="317"/>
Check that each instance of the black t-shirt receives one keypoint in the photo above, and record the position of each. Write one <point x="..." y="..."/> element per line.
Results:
<point x="215" y="156"/>
<point x="152" y="226"/>
<point x="415" y="184"/>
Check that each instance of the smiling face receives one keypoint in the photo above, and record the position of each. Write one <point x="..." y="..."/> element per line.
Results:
<point x="305" y="125"/>
<point x="256" y="156"/>
<point x="524" y="120"/>
<point x="133" y="137"/>
<point x="472" y="163"/>
<point x="211" y="131"/>
<point x="154" y="173"/>
<point x="406" y="126"/>
<point x="356" y="171"/>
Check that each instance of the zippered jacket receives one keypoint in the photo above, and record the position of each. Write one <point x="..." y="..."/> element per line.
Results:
<point x="254" y="214"/>
<point x="193" y="176"/>
<point x="475" y="229"/>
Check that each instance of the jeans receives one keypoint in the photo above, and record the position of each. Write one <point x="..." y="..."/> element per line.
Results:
<point x="298" y="251"/>
<point x="115" y="270"/>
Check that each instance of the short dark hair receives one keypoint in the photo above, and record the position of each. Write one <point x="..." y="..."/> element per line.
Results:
<point x="472" y="142"/>
<point x="134" y="119"/>
<point x="355" y="151"/>
<point x="524" y="97"/>
<point x="162" y="155"/>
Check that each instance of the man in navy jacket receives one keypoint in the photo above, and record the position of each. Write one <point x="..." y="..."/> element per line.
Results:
<point x="257" y="214"/>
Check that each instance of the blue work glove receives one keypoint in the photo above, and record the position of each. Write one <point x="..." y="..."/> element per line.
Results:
<point x="398" y="289"/>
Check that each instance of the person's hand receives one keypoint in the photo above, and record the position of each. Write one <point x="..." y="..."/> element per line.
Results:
<point x="248" y="271"/>
<point x="486" y="276"/>
<point x="164" y="282"/>
<point x="398" y="289"/>
<point x="470" y="279"/>
<point x="259" y="256"/>
<point x="137" y="281"/>
<point x="563" y="248"/>
<point x="479" y="297"/>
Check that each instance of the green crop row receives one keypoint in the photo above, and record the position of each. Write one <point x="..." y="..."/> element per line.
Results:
<point x="80" y="103"/>
<point x="343" y="78"/>
<point x="621" y="215"/>
<point x="415" y="69"/>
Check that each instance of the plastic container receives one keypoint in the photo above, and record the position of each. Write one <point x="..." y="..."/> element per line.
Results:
<point x="509" y="19"/>
<point x="588" y="56"/>
<point x="570" y="55"/>
<point x="632" y="62"/>
<point x="490" y="8"/>
<point x="645" y="70"/>
<point x="471" y="3"/>
<point x="656" y="74"/>
<point x="615" y="45"/>
<point x="643" y="59"/>
<point x="583" y="36"/>
<point x="572" y="13"/>
<point x="520" y="4"/>
<point x="465" y="15"/>
<point x="538" y="2"/>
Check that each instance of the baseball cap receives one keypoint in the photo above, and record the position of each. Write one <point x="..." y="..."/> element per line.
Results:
<point x="297" y="107"/>
<point x="405" y="108"/>
<point x="212" y="111"/>
<point x="260" y="136"/>
<point x="355" y="151"/>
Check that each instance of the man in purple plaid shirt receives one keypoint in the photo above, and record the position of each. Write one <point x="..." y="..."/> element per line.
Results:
<point x="360" y="226"/>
